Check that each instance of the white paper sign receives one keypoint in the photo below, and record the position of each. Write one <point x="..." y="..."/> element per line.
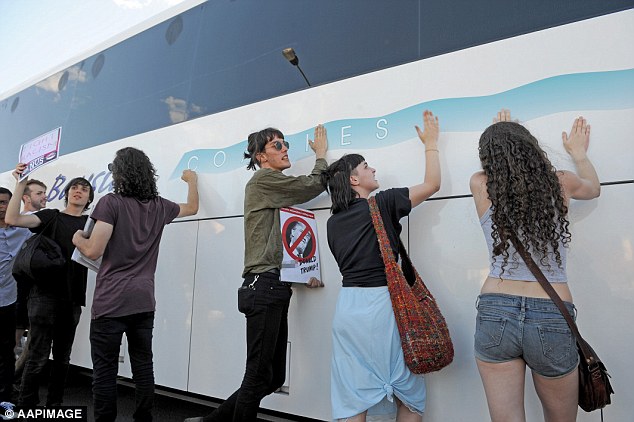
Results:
<point x="300" y="246"/>
<point x="40" y="151"/>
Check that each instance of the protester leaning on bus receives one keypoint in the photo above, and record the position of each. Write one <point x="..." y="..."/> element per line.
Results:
<point x="54" y="304"/>
<point x="128" y="228"/>
<point x="263" y="298"/>
<point x="368" y="371"/>
<point x="517" y="324"/>
<point x="11" y="239"/>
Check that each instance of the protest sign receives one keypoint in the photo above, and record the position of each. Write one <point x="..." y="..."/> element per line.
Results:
<point x="300" y="247"/>
<point x="40" y="151"/>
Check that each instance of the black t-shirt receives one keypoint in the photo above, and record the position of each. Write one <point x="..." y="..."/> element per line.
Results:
<point x="353" y="241"/>
<point x="69" y="284"/>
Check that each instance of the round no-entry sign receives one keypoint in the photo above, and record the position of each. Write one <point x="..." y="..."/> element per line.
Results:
<point x="298" y="239"/>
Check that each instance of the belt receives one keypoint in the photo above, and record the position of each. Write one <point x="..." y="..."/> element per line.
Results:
<point x="270" y="275"/>
<point x="273" y="272"/>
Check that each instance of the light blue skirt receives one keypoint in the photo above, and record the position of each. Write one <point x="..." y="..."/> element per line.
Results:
<point x="368" y="368"/>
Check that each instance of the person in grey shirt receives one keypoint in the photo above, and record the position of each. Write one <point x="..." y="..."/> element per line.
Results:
<point x="11" y="239"/>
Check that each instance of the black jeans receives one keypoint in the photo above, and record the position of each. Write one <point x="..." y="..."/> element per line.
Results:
<point x="105" y="342"/>
<point x="52" y="326"/>
<point x="265" y="305"/>
<point x="7" y="343"/>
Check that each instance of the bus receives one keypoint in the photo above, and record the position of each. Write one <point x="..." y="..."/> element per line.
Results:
<point x="189" y="90"/>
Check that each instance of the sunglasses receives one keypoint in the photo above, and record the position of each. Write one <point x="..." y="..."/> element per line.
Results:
<point x="110" y="166"/>
<point x="278" y="145"/>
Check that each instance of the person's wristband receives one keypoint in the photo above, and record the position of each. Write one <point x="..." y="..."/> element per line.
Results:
<point x="432" y="149"/>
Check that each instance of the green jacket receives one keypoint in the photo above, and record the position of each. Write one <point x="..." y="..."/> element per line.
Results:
<point x="264" y="195"/>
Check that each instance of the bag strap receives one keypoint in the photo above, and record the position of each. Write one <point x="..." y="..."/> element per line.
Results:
<point x="408" y="269"/>
<point x="53" y="222"/>
<point x="381" y="234"/>
<point x="587" y="352"/>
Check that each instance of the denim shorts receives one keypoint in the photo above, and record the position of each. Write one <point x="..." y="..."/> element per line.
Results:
<point x="515" y="327"/>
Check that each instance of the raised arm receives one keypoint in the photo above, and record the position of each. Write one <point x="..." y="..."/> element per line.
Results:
<point x="431" y="182"/>
<point x="13" y="216"/>
<point x="191" y="207"/>
<point x="585" y="183"/>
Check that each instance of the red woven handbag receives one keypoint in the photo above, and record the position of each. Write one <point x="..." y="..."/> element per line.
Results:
<point x="425" y="338"/>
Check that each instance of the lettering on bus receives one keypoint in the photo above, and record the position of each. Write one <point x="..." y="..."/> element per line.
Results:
<point x="347" y="132"/>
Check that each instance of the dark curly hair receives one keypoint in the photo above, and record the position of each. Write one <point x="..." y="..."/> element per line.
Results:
<point x="257" y="142"/>
<point x="133" y="174"/>
<point x="336" y="179"/>
<point x="524" y="191"/>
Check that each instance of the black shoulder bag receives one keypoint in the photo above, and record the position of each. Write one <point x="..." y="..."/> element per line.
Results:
<point x="39" y="257"/>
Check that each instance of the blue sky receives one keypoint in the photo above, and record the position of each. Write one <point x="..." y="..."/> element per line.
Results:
<point x="40" y="37"/>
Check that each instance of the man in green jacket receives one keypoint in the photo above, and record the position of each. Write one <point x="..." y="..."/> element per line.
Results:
<point x="263" y="298"/>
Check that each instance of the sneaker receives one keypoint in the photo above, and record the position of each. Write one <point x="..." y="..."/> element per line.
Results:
<point x="6" y="411"/>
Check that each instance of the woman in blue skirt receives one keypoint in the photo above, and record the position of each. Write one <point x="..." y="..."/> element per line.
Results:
<point x="369" y="375"/>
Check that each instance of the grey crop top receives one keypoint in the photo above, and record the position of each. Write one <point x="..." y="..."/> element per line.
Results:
<point x="516" y="269"/>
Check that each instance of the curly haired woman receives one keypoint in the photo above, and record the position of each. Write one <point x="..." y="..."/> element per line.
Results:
<point x="517" y="324"/>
